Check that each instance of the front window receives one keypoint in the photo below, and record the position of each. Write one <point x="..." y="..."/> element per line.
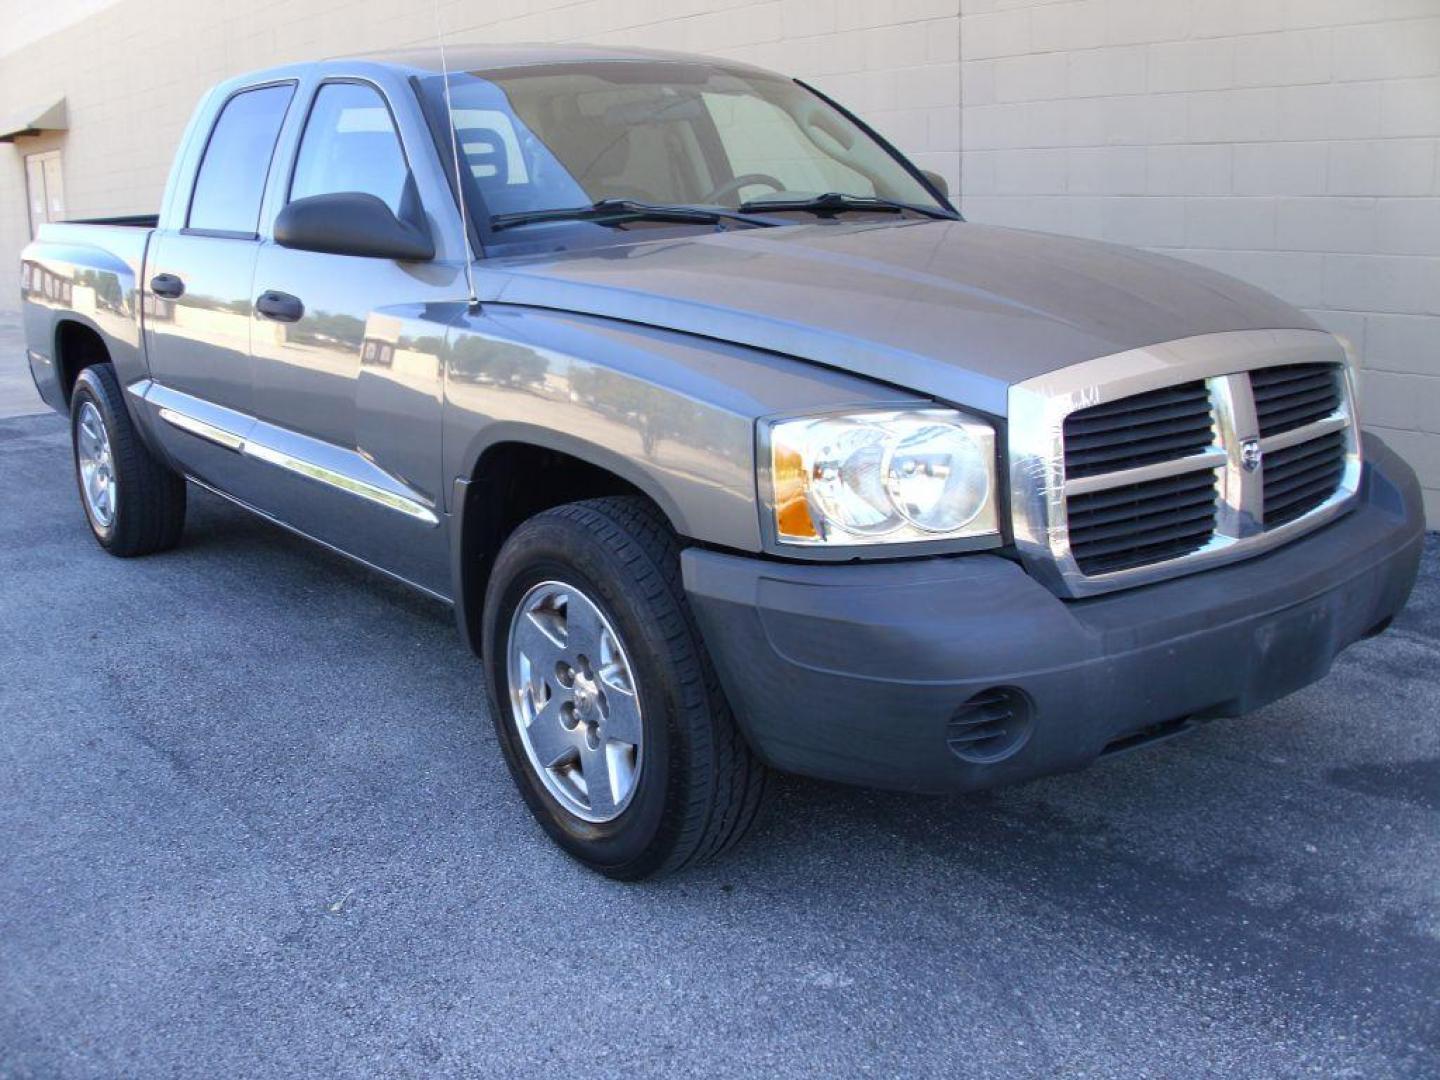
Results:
<point x="350" y="144"/>
<point x="662" y="133"/>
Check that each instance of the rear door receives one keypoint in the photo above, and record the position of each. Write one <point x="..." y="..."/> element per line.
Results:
<point x="198" y="293"/>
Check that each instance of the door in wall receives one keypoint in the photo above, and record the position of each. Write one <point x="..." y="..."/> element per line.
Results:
<point x="46" y="189"/>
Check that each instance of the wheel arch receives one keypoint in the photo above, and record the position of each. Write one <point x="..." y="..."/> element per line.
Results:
<point x="519" y="473"/>
<point x="77" y="344"/>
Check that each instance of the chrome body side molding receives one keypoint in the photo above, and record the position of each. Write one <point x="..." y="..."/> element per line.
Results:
<point x="336" y="479"/>
<point x="345" y="470"/>
<point x="1039" y="488"/>
<point x="195" y="426"/>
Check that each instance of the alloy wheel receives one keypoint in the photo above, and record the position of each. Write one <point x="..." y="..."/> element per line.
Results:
<point x="97" y="466"/>
<point x="574" y="701"/>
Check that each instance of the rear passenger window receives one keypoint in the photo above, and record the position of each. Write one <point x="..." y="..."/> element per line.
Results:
<point x="350" y="144"/>
<point x="231" y="180"/>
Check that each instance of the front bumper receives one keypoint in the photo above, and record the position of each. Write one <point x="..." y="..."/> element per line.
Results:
<point x="858" y="672"/>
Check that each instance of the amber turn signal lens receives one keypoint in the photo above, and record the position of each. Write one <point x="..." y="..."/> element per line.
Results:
<point x="792" y="512"/>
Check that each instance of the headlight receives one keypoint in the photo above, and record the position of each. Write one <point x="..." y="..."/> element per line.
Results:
<point x="901" y="476"/>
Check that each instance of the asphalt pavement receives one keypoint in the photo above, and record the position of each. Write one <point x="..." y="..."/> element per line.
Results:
<point x="18" y="396"/>
<point x="254" y="822"/>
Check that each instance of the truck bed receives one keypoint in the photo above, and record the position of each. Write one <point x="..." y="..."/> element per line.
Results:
<point x="129" y="221"/>
<point x="86" y="272"/>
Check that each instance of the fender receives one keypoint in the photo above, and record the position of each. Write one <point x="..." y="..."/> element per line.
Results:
<point x="670" y="414"/>
<point x="469" y="534"/>
<point x="503" y="433"/>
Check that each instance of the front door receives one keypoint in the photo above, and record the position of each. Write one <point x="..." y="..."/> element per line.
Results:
<point x="346" y="363"/>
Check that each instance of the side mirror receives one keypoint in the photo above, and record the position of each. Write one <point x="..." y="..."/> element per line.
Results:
<point x="351" y="223"/>
<point x="937" y="182"/>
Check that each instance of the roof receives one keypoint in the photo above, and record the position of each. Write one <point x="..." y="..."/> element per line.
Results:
<point x="463" y="56"/>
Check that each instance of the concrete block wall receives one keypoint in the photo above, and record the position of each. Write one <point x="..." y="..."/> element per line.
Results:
<point x="1292" y="143"/>
<point x="133" y="71"/>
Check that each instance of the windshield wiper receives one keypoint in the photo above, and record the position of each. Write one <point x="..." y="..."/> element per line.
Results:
<point x="619" y="211"/>
<point x="833" y="202"/>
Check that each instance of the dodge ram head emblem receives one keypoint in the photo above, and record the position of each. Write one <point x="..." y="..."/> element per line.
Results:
<point x="1251" y="455"/>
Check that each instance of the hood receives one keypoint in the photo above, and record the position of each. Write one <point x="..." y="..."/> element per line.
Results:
<point x="953" y="310"/>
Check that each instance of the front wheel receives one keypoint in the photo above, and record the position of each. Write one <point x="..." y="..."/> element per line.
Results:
<point x="605" y="703"/>
<point x="135" y="504"/>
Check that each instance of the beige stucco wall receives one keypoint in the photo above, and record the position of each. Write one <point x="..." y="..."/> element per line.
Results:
<point x="133" y="71"/>
<point x="1294" y="143"/>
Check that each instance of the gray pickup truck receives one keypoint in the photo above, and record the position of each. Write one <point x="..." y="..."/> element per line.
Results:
<point x="732" y="445"/>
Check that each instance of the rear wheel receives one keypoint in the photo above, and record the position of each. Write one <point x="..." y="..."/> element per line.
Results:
<point x="604" y="701"/>
<point x="134" y="503"/>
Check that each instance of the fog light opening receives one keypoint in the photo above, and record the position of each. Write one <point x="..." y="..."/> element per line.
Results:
<point x="992" y="726"/>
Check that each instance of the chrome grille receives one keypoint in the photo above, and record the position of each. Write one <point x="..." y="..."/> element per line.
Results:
<point x="1301" y="477"/>
<point x="1293" y="395"/>
<point x="1138" y="430"/>
<point x="1137" y="524"/>
<point x="1168" y="459"/>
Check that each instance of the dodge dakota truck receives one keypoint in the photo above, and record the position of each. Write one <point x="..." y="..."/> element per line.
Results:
<point x="732" y="445"/>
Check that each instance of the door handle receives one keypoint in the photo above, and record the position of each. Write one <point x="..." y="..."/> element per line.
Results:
<point x="280" y="306"/>
<point x="167" y="285"/>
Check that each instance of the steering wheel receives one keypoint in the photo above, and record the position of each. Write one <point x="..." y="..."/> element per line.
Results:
<point x="744" y="180"/>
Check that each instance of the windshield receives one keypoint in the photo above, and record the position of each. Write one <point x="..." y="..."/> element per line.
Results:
<point x="662" y="133"/>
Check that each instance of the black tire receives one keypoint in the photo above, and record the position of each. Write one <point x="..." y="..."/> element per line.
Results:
<point x="149" y="509"/>
<point x="700" y="787"/>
